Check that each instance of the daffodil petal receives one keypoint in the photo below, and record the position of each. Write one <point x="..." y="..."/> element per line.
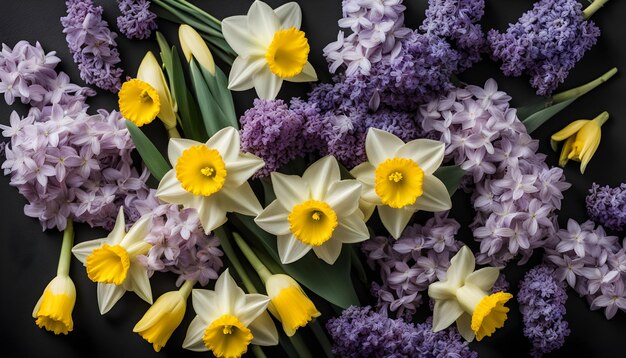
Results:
<point x="177" y="146"/>
<point x="445" y="313"/>
<point x="351" y="229"/>
<point x="291" y="249"/>
<point x="138" y="281"/>
<point x="428" y="154"/>
<point x="320" y="175"/>
<point x="565" y="151"/>
<point x="193" y="339"/>
<point x="274" y="219"/>
<point x="227" y="142"/>
<point x="205" y="305"/>
<point x="240" y="200"/>
<point x="264" y="330"/>
<point x="263" y="21"/>
<point x="138" y="232"/>
<point x="441" y="291"/>
<point x="242" y="72"/>
<point x="435" y="197"/>
<point x="289" y="15"/>
<point x="108" y="295"/>
<point x="84" y="249"/>
<point x="308" y="74"/>
<point x="483" y="278"/>
<point x="267" y="84"/>
<point x="381" y="145"/>
<point x="365" y="173"/>
<point x="255" y="304"/>
<point x="228" y="294"/>
<point x="589" y="151"/>
<point x="464" y="326"/>
<point x="461" y="265"/>
<point x="241" y="169"/>
<point x="240" y="38"/>
<point x="119" y="230"/>
<point x="210" y="213"/>
<point x="367" y="209"/>
<point x="328" y="251"/>
<point x="569" y="130"/>
<point x="394" y="220"/>
<point x="171" y="191"/>
<point x="343" y="196"/>
<point x="290" y="190"/>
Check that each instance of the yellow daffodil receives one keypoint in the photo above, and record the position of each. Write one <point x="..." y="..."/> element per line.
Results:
<point x="464" y="297"/>
<point x="289" y="304"/>
<point x="317" y="211"/>
<point x="163" y="317"/>
<point x="194" y="46"/>
<point x="211" y="177"/>
<point x="139" y="102"/>
<point x="228" y="320"/>
<point x="398" y="179"/>
<point x="271" y="49"/>
<point x="582" y="138"/>
<point x="112" y="262"/>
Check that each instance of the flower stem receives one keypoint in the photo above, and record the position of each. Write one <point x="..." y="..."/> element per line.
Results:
<point x="322" y="338"/>
<point x="258" y="266"/>
<point x="185" y="289"/>
<point x="173" y="132"/>
<point x="66" y="249"/>
<point x="595" y="6"/>
<point x="234" y="260"/>
<point x="300" y="347"/>
<point x="258" y="352"/>
<point x="602" y="118"/>
<point x="581" y="90"/>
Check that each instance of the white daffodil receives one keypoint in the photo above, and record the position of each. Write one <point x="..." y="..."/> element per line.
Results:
<point x="211" y="177"/>
<point x="271" y="49"/>
<point x="398" y="179"/>
<point x="112" y="262"/>
<point x="464" y="297"/>
<point x="228" y="320"/>
<point x="317" y="211"/>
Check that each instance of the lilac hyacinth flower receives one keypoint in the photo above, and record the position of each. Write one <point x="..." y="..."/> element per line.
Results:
<point x="546" y="43"/>
<point x="607" y="206"/>
<point x="136" y="21"/>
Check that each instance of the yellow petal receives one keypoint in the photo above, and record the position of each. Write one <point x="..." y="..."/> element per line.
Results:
<point x="150" y="72"/>
<point x="570" y="130"/>
<point x="162" y="318"/>
<point x="567" y="148"/>
<point x="54" y="309"/>
<point x="193" y="45"/>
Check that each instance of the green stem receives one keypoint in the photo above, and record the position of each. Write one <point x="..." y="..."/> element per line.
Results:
<point x="270" y="263"/>
<point x="212" y="18"/>
<point x="581" y="90"/>
<point x="199" y="15"/>
<point x="182" y="17"/>
<point x="258" y="266"/>
<point x="173" y="132"/>
<point x="595" y="6"/>
<point x="234" y="260"/>
<point x="185" y="289"/>
<point x="602" y="118"/>
<point x="258" y="352"/>
<point x="300" y="347"/>
<point x="322" y="338"/>
<point x="66" y="250"/>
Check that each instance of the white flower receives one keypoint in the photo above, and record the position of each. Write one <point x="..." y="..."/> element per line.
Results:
<point x="211" y="178"/>
<point x="271" y="49"/>
<point x="398" y="179"/>
<point x="228" y="320"/>
<point x="317" y="211"/>
<point x="112" y="262"/>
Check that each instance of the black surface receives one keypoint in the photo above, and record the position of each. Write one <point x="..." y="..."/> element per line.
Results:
<point x="28" y="257"/>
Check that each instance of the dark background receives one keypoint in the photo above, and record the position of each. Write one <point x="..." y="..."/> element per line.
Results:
<point x="28" y="256"/>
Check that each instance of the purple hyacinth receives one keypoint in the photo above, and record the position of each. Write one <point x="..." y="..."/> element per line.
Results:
<point x="607" y="206"/>
<point x="137" y="21"/>
<point x="92" y="44"/>
<point x="361" y="332"/>
<point x="542" y="303"/>
<point x="546" y="43"/>
<point x="273" y="132"/>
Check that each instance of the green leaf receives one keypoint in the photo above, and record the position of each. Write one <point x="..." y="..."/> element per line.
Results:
<point x="150" y="155"/>
<point x="212" y="115"/>
<point x="225" y="97"/>
<point x="331" y="282"/>
<point x="527" y="111"/>
<point x="535" y="120"/>
<point x="451" y="176"/>
<point x="188" y="109"/>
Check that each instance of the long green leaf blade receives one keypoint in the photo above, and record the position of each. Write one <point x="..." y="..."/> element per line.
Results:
<point x="535" y="120"/>
<point x="211" y="113"/>
<point x="451" y="177"/>
<point x="150" y="155"/>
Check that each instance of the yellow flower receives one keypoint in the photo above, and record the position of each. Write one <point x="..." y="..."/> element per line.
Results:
<point x="582" y="138"/>
<point x="289" y="304"/>
<point x="463" y="297"/>
<point x="151" y="73"/>
<point x="53" y="311"/>
<point x="163" y="317"/>
<point x="193" y="45"/>
<point x="139" y="102"/>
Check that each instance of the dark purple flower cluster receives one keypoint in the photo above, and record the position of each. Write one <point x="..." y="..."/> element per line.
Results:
<point x="607" y="206"/>
<point x="408" y="265"/>
<point x="137" y="21"/>
<point x="542" y="303"/>
<point x="546" y="43"/>
<point x="593" y="264"/>
<point x="515" y="195"/>
<point x="92" y="44"/>
<point x="361" y="332"/>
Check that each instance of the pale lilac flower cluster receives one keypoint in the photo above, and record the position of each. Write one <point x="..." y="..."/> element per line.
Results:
<point x="516" y="195"/>
<point x="593" y="264"/>
<point x="179" y="244"/>
<point x="376" y="25"/>
<point x="545" y="43"/>
<point x="607" y="206"/>
<point x="137" y="21"/>
<point x="408" y="265"/>
<point x="361" y="332"/>
<point x="92" y="44"/>
<point x="542" y="304"/>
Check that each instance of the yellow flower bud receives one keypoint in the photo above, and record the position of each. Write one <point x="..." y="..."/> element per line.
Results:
<point x="193" y="45"/>
<point x="289" y="304"/>
<point x="150" y="72"/>
<point x="53" y="311"/>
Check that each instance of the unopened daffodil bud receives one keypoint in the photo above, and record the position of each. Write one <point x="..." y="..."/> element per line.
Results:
<point x="582" y="138"/>
<point x="53" y="311"/>
<point x="151" y="73"/>
<point x="193" y="45"/>
<point x="289" y="304"/>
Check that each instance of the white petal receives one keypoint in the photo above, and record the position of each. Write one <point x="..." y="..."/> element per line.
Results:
<point x="381" y="145"/>
<point x="240" y="200"/>
<point x="365" y="173"/>
<point x="464" y="325"/>
<point x="108" y="295"/>
<point x="243" y="71"/>
<point x="320" y="175"/>
<point x="264" y="331"/>
<point x="329" y="251"/>
<point x="441" y="290"/>
<point x="242" y="168"/>
<point x="267" y="84"/>
<point x="210" y="212"/>
<point x="205" y="304"/>
<point x="394" y="220"/>
<point x="227" y="142"/>
<point x="195" y="334"/>
<point x="138" y="281"/>
<point x="289" y="15"/>
<point x="291" y="249"/>
<point x="367" y="209"/>
<point x="119" y="230"/>
<point x="263" y="21"/>
<point x="137" y="232"/>
<point x="351" y="229"/>
<point x="435" y="197"/>
<point x="177" y="146"/>
<point x="427" y="153"/>
<point x="343" y="196"/>
<point x="229" y="295"/>
<point x="274" y="219"/>
<point x="483" y="278"/>
<point x="445" y="313"/>
<point x="255" y="304"/>
<point x="240" y="38"/>
<point x="290" y="190"/>
<point x="84" y="249"/>
<point x="308" y="74"/>
<point x="171" y="191"/>
<point x="461" y="265"/>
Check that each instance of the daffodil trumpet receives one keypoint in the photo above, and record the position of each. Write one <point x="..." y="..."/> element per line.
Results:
<point x="53" y="310"/>
<point x="164" y="316"/>
<point x="464" y="297"/>
<point x="582" y="138"/>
